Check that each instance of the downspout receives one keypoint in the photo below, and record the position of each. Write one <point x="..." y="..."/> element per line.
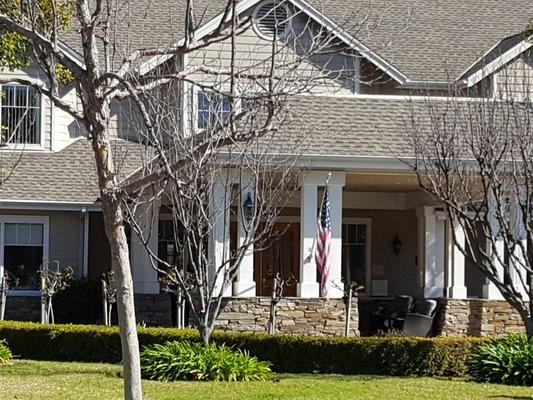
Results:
<point x="85" y="219"/>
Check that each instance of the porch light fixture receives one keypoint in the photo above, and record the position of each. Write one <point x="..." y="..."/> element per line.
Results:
<point x="397" y="245"/>
<point x="248" y="208"/>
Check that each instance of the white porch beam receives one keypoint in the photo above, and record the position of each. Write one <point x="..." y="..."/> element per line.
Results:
<point x="244" y="284"/>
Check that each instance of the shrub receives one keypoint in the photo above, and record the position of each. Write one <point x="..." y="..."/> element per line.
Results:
<point x="5" y="353"/>
<point x="509" y="361"/>
<point x="79" y="303"/>
<point x="173" y="361"/>
<point x="287" y="353"/>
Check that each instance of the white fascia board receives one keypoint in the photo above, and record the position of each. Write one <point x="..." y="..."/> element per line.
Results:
<point x="313" y="14"/>
<point x="46" y="205"/>
<point x="73" y="55"/>
<point x="353" y="163"/>
<point x="499" y="62"/>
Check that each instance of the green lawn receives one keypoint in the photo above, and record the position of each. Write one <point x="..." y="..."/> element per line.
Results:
<point x="25" y="380"/>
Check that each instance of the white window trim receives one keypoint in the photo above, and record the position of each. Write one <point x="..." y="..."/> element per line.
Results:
<point x="25" y="219"/>
<point x="28" y="146"/>
<point x="195" y="92"/>
<point x="368" y="267"/>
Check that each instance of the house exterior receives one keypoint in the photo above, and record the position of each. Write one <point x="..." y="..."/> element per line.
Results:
<point x="391" y="236"/>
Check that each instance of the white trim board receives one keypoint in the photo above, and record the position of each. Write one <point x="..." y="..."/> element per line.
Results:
<point x="498" y="63"/>
<point x="45" y="205"/>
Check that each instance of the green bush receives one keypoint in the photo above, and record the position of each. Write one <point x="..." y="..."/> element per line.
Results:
<point x="174" y="361"/>
<point x="509" y="361"/>
<point x="286" y="353"/>
<point x="5" y="353"/>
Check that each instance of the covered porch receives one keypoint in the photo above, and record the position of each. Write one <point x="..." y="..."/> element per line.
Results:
<point x="387" y="235"/>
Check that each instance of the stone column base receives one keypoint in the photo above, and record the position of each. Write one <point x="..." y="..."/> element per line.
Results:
<point x="478" y="317"/>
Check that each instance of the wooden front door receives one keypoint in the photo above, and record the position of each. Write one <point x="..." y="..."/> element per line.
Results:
<point x="282" y="255"/>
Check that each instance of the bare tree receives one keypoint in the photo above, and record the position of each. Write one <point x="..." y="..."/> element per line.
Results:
<point x="473" y="151"/>
<point x="109" y="296"/>
<point x="107" y="71"/>
<point x="4" y="291"/>
<point x="52" y="282"/>
<point x="242" y="187"/>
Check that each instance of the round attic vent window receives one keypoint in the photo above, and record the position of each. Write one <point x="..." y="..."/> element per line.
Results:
<point x="271" y="18"/>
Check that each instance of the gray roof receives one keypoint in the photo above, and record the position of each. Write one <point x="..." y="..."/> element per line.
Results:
<point x="442" y="38"/>
<point x="68" y="175"/>
<point x="349" y="126"/>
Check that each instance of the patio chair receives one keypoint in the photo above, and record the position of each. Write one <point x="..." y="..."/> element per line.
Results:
<point x="419" y="320"/>
<point x="402" y="305"/>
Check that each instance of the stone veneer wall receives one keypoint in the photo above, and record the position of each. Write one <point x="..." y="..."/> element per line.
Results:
<point x="153" y="309"/>
<point x="475" y="317"/>
<point x="23" y="308"/>
<point x="318" y="317"/>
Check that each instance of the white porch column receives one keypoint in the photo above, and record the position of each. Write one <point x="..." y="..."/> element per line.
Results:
<point x="518" y="270"/>
<point x="431" y="251"/>
<point x="219" y="238"/>
<point x="456" y="262"/>
<point x="145" y="279"/>
<point x="308" y="286"/>
<point x="336" y="290"/>
<point x="490" y="291"/>
<point x="244" y="285"/>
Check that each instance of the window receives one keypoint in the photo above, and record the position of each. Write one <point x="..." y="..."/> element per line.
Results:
<point x="21" y="115"/>
<point x="271" y="18"/>
<point x="24" y="247"/>
<point x="354" y="252"/>
<point x="212" y="109"/>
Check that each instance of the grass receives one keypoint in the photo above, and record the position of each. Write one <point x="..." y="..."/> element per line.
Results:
<point x="29" y="380"/>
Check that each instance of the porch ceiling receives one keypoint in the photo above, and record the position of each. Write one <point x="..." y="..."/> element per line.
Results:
<point x="381" y="182"/>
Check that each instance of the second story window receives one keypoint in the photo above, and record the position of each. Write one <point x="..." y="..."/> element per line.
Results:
<point x="20" y="108"/>
<point x="213" y="109"/>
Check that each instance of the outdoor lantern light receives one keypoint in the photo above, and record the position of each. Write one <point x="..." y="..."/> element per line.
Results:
<point x="397" y="245"/>
<point x="248" y="208"/>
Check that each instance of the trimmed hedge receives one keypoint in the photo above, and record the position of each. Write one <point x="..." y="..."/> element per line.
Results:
<point x="288" y="353"/>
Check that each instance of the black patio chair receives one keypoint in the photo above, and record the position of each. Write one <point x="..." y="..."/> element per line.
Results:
<point x="419" y="320"/>
<point x="402" y="305"/>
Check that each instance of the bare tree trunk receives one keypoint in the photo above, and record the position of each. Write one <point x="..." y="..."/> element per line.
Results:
<point x="529" y="326"/>
<point x="349" y="293"/>
<point x="205" y="334"/>
<point x="125" y="300"/>
<point x="3" y="296"/>
<point x="104" y="303"/>
<point x="120" y="260"/>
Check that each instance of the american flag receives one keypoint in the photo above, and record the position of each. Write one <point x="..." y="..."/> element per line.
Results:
<point x="322" y="256"/>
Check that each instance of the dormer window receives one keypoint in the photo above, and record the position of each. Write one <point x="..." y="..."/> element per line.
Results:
<point x="20" y="108"/>
<point x="271" y="18"/>
<point x="213" y="109"/>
